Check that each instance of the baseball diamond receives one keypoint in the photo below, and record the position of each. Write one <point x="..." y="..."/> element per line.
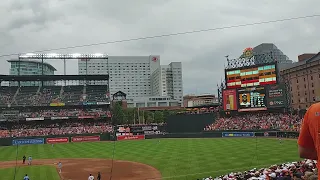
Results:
<point x="179" y="158"/>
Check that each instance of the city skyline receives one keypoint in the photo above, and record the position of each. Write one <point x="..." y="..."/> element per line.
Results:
<point x="37" y="25"/>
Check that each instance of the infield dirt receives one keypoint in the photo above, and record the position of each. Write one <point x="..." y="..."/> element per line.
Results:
<point x="77" y="169"/>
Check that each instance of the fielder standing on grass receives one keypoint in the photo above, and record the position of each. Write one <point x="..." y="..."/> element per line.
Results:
<point x="26" y="177"/>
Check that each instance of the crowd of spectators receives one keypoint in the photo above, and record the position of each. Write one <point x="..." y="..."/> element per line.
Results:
<point x="24" y="130"/>
<point x="43" y="96"/>
<point x="266" y="121"/>
<point x="305" y="169"/>
<point x="95" y="112"/>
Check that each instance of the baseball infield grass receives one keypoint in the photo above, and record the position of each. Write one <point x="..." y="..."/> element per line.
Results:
<point x="174" y="158"/>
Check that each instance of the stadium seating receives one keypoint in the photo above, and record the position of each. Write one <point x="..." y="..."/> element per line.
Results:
<point x="6" y="95"/>
<point x="40" y="129"/>
<point x="72" y="94"/>
<point x="96" y="93"/>
<point x="305" y="169"/>
<point x="275" y="121"/>
<point x="43" y="96"/>
<point x="26" y="96"/>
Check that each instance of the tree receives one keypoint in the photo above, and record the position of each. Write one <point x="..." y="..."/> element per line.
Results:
<point x="158" y="117"/>
<point x="118" y="114"/>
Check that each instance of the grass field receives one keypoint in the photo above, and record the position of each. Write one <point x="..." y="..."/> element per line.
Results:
<point x="175" y="158"/>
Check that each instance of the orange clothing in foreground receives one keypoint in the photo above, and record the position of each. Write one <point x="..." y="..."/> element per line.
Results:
<point x="310" y="131"/>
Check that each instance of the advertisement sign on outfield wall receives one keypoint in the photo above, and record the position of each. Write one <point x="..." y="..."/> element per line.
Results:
<point x="35" y="119"/>
<point x="134" y="137"/>
<point x="27" y="141"/>
<point x="85" y="138"/>
<point x="57" y="140"/>
<point x="238" y="134"/>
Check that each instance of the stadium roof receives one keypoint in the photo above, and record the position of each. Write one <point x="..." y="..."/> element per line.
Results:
<point x="33" y="61"/>
<point x="52" y="77"/>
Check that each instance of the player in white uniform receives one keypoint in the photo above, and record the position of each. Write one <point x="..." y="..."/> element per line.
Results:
<point x="90" y="177"/>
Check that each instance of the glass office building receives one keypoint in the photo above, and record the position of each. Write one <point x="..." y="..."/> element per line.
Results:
<point x="30" y="67"/>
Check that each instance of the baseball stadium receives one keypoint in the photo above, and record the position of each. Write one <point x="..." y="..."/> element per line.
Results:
<point x="69" y="127"/>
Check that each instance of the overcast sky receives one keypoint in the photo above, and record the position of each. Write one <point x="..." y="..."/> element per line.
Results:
<point x="29" y="25"/>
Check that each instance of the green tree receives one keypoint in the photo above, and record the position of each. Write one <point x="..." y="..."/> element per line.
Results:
<point x="158" y="117"/>
<point x="118" y="114"/>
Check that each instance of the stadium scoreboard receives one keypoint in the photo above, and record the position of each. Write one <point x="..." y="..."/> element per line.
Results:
<point x="252" y="99"/>
<point x="251" y="76"/>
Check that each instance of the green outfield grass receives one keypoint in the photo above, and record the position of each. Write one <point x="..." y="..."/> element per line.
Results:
<point x="175" y="158"/>
<point x="34" y="172"/>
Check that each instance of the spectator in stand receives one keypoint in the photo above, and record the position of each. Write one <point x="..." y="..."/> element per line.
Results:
<point x="309" y="134"/>
<point x="23" y="130"/>
<point x="305" y="169"/>
<point x="284" y="122"/>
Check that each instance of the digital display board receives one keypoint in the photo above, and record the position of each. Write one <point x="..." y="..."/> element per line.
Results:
<point x="230" y="100"/>
<point x="252" y="99"/>
<point x="276" y="96"/>
<point x="251" y="76"/>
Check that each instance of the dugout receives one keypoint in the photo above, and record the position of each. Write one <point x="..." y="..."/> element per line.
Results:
<point x="181" y="123"/>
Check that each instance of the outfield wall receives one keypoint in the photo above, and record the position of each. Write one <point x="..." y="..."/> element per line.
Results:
<point x="226" y="134"/>
<point x="55" y="139"/>
<point x="107" y="137"/>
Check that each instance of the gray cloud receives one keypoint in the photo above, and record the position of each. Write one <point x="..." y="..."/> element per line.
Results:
<point x="36" y="24"/>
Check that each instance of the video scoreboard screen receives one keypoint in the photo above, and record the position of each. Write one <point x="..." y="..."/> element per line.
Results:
<point x="251" y="76"/>
<point x="252" y="99"/>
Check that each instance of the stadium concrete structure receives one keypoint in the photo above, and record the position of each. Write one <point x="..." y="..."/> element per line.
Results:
<point x="201" y="100"/>
<point x="303" y="78"/>
<point x="145" y="82"/>
<point x="29" y="67"/>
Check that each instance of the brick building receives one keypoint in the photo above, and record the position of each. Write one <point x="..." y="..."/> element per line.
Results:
<point x="304" y="80"/>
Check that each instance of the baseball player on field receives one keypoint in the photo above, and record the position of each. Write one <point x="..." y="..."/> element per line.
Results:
<point x="26" y="177"/>
<point x="59" y="166"/>
<point x="29" y="160"/>
<point x="90" y="177"/>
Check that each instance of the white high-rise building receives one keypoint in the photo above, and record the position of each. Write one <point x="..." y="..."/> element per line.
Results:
<point x="138" y="76"/>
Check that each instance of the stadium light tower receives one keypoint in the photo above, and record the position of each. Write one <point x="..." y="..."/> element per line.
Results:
<point x="61" y="56"/>
<point x="64" y="57"/>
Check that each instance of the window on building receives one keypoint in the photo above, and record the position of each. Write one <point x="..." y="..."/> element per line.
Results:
<point x="313" y="91"/>
<point x="311" y="78"/>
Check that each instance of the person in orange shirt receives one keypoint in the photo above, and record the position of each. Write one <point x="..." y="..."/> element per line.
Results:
<point x="309" y="138"/>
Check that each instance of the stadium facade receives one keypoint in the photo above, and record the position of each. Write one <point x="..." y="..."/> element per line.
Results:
<point x="140" y="77"/>
<point x="29" y="67"/>
<point x="304" y="81"/>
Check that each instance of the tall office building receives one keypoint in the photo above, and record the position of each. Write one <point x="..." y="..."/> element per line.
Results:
<point x="167" y="81"/>
<point x="276" y="53"/>
<point x="138" y="76"/>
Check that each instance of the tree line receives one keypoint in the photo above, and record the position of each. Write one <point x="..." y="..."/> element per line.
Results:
<point x="137" y="116"/>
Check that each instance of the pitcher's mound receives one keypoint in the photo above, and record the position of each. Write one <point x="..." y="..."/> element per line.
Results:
<point x="77" y="169"/>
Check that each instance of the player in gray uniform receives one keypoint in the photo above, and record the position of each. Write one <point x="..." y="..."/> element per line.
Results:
<point x="59" y="166"/>
<point x="29" y="160"/>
